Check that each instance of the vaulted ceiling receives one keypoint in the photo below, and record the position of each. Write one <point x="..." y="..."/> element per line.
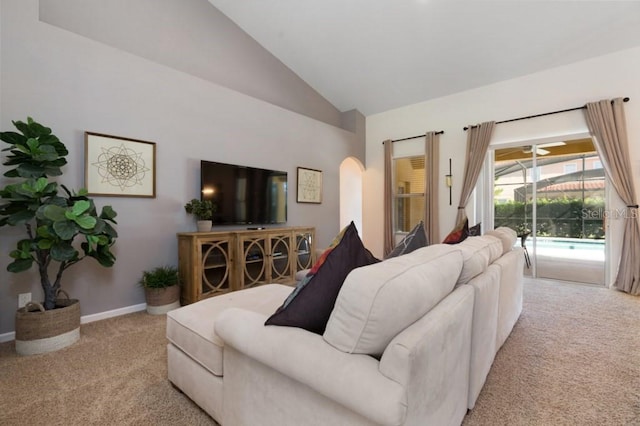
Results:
<point x="376" y="55"/>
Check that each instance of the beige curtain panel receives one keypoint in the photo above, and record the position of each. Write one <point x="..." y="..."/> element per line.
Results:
<point x="478" y="140"/>
<point x="607" y="125"/>
<point x="432" y="163"/>
<point x="389" y="242"/>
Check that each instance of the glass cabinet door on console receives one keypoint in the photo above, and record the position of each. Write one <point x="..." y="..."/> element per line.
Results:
<point x="280" y="258"/>
<point x="266" y="259"/>
<point x="205" y="262"/>
<point x="253" y="270"/>
<point x="216" y="267"/>
<point x="305" y="249"/>
<point x="213" y="263"/>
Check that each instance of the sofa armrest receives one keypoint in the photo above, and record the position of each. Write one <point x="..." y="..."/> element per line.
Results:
<point x="352" y="380"/>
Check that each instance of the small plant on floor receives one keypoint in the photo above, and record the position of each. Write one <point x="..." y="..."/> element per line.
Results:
<point x="161" y="289"/>
<point x="160" y="277"/>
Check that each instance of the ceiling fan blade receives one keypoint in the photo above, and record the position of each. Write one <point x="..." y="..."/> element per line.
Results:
<point x="551" y="144"/>
<point x="540" y="151"/>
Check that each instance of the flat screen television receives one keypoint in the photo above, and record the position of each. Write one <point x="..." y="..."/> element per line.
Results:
<point x="244" y="195"/>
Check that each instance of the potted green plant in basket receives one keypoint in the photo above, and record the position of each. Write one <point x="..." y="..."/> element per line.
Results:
<point x="161" y="289"/>
<point x="53" y="222"/>
<point x="203" y="211"/>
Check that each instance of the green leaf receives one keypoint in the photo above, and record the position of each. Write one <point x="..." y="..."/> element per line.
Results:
<point x="12" y="138"/>
<point x="80" y="207"/>
<point x="63" y="251"/>
<point x="37" y="128"/>
<point x="86" y="221"/>
<point x="45" y="153"/>
<point x="108" y="213"/>
<point x="99" y="227"/>
<point x="20" y="265"/>
<point x="32" y="144"/>
<point x="45" y="244"/>
<point x="54" y="213"/>
<point x="110" y="231"/>
<point x="20" y="217"/>
<point x="43" y="232"/>
<point x="27" y="170"/>
<point x="103" y="255"/>
<point x="40" y="184"/>
<point x="66" y="229"/>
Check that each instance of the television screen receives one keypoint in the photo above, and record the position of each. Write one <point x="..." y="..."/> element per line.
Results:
<point x="244" y="195"/>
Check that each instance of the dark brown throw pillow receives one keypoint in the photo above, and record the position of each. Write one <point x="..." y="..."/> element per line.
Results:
<point x="311" y="302"/>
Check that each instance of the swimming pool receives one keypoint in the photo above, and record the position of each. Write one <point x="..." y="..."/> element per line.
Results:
<point x="568" y="248"/>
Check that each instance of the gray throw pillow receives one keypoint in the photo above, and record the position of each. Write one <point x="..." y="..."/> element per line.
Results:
<point x="415" y="239"/>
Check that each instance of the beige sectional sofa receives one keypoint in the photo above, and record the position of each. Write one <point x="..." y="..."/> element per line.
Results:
<point x="410" y="342"/>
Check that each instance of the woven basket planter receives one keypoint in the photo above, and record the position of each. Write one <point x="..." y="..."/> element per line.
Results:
<point x="162" y="300"/>
<point x="46" y="331"/>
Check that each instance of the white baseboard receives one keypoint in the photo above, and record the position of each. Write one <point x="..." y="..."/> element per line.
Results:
<point x="6" y="337"/>
<point x="114" y="313"/>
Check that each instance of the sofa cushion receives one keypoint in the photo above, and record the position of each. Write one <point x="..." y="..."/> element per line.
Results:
<point x="478" y="253"/>
<point x="378" y="301"/>
<point x="495" y="246"/>
<point x="415" y="239"/>
<point x="191" y="327"/>
<point x="507" y="235"/>
<point x="311" y="302"/>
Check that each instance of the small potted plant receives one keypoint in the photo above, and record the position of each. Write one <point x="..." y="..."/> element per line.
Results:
<point x="161" y="289"/>
<point x="203" y="211"/>
<point x="523" y="229"/>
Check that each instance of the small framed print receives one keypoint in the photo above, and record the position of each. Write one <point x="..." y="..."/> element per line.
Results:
<point x="119" y="167"/>
<point x="309" y="186"/>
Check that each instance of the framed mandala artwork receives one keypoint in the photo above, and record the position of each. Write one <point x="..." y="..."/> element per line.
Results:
<point x="119" y="167"/>
<point x="309" y="186"/>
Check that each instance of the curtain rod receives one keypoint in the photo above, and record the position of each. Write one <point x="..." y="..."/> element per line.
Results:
<point x="542" y="115"/>
<point x="440" y="132"/>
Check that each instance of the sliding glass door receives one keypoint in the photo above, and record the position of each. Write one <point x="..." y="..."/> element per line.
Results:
<point x="553" y="196"/>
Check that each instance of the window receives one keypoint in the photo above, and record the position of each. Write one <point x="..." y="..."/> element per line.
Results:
<point x="570" y="168"/>
<point x="597" y="164"/>
<point x="535" y="173"/>
<point x="408" y="197"/>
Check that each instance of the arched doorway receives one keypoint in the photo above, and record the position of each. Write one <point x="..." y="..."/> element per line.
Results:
<point x="351" y="192"/>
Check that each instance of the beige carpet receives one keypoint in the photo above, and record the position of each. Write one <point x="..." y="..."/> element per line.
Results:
<point x="573" y="359"/>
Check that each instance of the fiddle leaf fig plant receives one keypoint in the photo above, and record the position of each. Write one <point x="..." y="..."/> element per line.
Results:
<point x="52" y="221"/>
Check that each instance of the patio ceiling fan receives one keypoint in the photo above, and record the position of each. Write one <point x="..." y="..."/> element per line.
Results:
<point x="540" y="148"/>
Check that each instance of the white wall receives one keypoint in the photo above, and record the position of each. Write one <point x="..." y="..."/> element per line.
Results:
<point x="74" y="84"/>
<point x="610" y="76"/>
<point x="351" y="193"/>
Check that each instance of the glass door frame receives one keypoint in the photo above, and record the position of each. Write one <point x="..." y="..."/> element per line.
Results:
<point x="483" y="197"/>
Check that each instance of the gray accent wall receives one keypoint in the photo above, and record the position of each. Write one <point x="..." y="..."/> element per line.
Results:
<point x="73" y="83"/>
<point x="194" y="37"/>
